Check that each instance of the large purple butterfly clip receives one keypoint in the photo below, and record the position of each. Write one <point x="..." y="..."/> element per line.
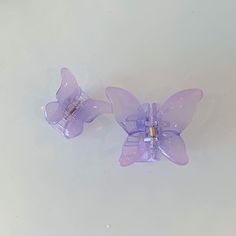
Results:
<point x="153" y="130"/>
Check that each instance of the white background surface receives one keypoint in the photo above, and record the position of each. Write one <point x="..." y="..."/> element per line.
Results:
<point x="51" y="186"/>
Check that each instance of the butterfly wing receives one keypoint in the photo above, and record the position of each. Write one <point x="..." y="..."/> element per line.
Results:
<point x="87" y="112"/>
<point x="53" y="113"/>
<point x="133" y="150"/>
<point x="73" y="127"/>
<point x="173" y="147"/>
<point x="69" y="89"/>
<point x="126" y="108"/>
<point x="176" y="113"/>
<point x="178" y="110"/>
<point x="92" y="108"/>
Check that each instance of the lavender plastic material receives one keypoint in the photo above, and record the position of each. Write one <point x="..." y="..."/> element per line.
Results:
<point x="153" y="129"/>
<point x="73" y="107"/>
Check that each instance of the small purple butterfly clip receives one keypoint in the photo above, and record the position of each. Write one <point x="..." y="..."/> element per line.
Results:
<point x="153" y="129"/>
<point x="73" y="107"/>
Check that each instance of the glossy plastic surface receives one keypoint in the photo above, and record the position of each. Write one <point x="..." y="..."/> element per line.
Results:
<point x="73" y="107"/>
<point x="153" y="129"/>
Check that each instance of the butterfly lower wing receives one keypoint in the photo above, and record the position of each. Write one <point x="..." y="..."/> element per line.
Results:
<point x="73" y="127"/>
<point x="69" y="89"/>
<point x="126" y="108"/>
<point x="132" y="151"/>
<point x="53" y="113"/>
<point x="178" y="110"/>
<point x="173" y="147"/>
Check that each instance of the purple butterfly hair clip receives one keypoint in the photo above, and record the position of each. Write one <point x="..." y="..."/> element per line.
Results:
<point x="153" y="129"/>
<point x="73" y="107"/>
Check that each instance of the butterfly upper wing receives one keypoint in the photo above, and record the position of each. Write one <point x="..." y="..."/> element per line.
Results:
<point x="173" y="147"/>
<point x="92" y="108"/>
<point x="178" y="110"/>
<point x="67" y="93"/>
<point x="69" y="89"/>
<point x="126" y="108"/>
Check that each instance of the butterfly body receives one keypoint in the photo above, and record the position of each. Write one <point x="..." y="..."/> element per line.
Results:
<point x="72" y="109"/>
